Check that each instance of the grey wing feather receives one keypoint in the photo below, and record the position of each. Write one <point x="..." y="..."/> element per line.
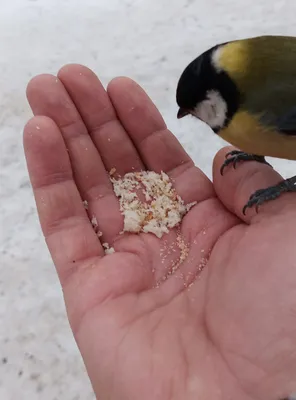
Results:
<point x="287" y="123"/>
<point x="281" y="102"/>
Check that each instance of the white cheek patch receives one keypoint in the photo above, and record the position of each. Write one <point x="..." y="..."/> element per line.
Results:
<point x="213" y="110"/>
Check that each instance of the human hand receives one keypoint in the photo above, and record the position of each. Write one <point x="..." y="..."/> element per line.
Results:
<point x="223" y="325"/>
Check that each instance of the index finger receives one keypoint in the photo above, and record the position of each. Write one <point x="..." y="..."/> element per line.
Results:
<point x="64" y="221"/>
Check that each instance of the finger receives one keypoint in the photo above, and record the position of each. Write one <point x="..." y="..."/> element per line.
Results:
<point x="235" y="187"/>
<point x="47" y="96"/>
<point x="65" y="224"/>
<point x="93" y="103"/>
<point x="158" y="147"/>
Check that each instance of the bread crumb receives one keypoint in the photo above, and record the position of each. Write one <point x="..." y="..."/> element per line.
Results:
<point x="108" y="249"/>
<point x="94" y="222"/>
<point x="95" y="225"/>
<point x="85" y="204"/>
<point x="190" y="205"/>
<point x="112" y="171"/>
<point x="162" y="209"/>
<point x="202" y="264"/>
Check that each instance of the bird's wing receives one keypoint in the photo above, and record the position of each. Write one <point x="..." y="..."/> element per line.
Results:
<point x="275" y="105"/>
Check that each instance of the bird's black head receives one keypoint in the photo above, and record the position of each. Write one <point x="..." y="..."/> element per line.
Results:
<point x="207" y="92"/>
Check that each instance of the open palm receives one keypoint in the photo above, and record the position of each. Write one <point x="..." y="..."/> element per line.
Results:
<point x="222" y="325"/>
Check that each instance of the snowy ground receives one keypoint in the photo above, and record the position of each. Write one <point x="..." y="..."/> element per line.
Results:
<point x="148" y="40"/>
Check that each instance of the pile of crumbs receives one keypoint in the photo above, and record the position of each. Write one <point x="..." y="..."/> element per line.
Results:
<point x="162" y="209"/>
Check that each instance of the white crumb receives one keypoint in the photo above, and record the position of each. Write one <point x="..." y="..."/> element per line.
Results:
<point x="85" y="204"/>
<point x="162" y="209"/>
<point x="108" y="249"/>
<point x="202" y="264"/>
<point x="190" y="205"/>
<point x="94" y="222"/>
<point x="95" y="225"/>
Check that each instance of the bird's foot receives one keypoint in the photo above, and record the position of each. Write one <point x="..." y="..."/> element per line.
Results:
<point x="234" y="156"/>
<point x="263" y="195"/>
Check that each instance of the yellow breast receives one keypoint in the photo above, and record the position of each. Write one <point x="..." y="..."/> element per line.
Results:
<point x="247" y="133"/>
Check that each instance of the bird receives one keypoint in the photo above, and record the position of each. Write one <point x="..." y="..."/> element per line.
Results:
<point x="245" y="91"/>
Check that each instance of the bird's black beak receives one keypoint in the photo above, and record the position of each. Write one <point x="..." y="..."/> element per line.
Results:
<point x="182" y="113"/>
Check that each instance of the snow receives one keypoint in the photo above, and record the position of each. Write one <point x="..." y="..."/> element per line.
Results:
<point x="148" y="40"/>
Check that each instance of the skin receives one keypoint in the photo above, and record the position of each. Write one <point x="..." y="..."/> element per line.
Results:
<point x="232" y="333"/>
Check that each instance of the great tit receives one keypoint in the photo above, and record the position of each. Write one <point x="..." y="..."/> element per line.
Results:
<point x="245" y="90"/>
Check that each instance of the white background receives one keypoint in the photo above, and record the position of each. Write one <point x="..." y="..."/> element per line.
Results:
<point x="150" y="41"/>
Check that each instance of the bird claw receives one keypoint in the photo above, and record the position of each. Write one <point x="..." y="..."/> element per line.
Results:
<point x="234" y="156"/>
<point x="263" y="195"/>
